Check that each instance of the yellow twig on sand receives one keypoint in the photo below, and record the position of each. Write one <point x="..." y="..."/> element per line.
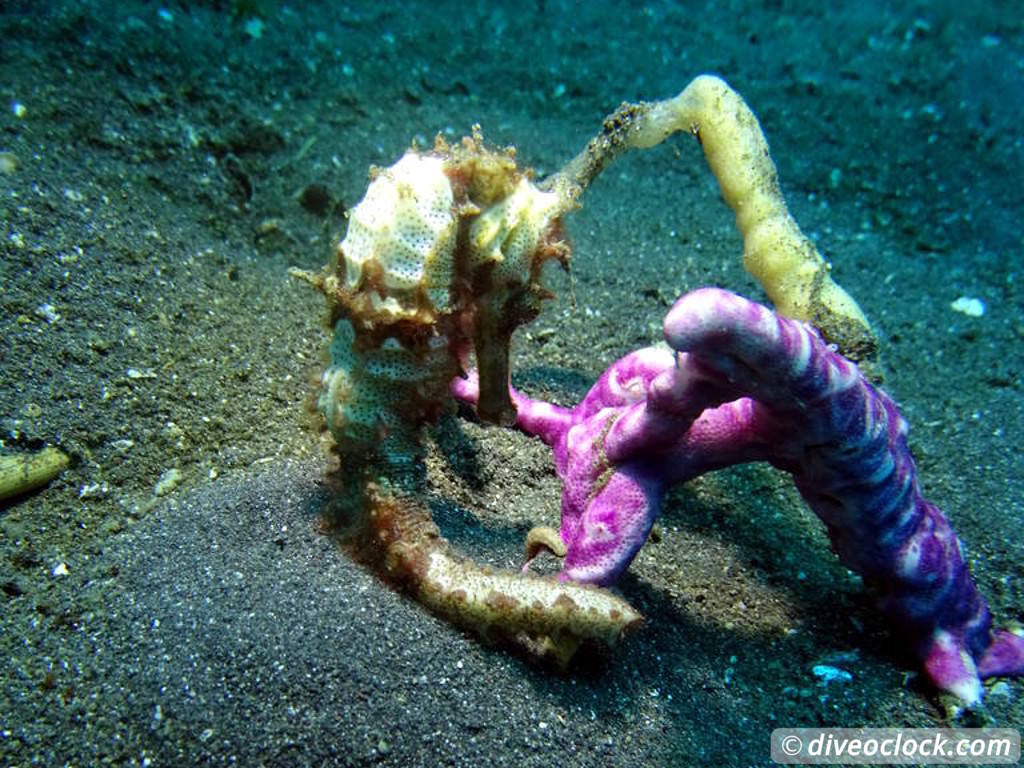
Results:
<point x="24" y="472"/>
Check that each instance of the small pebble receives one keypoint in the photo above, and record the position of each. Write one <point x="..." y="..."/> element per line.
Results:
<point x="254" y="28"/>
<point x="48" y="313"/>
<point x="1000" y="690"/>
<point x="168" y="481"/>
<point x="968" y="306"/>
<point x="8" y="163"/>
<point x="826" y="673"/>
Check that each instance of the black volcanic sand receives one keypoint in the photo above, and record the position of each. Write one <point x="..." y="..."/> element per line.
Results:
<point x="161" y="168"/>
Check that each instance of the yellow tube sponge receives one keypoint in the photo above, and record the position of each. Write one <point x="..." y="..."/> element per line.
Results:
<point x="775" y="251"/>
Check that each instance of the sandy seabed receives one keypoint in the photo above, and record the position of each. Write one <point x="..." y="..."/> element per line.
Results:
<point x="156" y="163"/>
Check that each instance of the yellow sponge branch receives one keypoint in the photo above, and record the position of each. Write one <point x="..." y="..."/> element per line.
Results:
<point x="775" y="251"/>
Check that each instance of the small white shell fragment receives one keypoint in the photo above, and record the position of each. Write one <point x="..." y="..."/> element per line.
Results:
<point x="48" y="312"/>
<point x="254" y="28"/>
<point x="968" y="306"/>
<point x="168" y="481"/>
<point x="826" y="673"/>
